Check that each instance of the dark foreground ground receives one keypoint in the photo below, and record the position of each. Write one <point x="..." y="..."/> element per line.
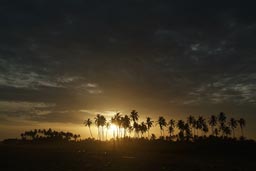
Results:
<point x="130" y="156"/>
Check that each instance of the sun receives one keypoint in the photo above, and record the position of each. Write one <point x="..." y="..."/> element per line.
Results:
<point x="113" y="127"/>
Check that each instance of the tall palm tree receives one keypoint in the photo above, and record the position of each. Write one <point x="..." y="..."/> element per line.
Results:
<point x="181" y="127"/>
<point x="162" y="123"/>
<point x="143" y="128"/>
<point x="102" y="124"/>
<point x="242" y="124"/>
<point x="171" y="126"/>
<point x="222" y="117"/>
<point x="97" y="123"/>
<point x="134" y="115"/>
<point x="187" y="131"/>
<point x="201" y="123"/>
<point x="205" y="129"/>
<point x="222" y="120"/>
<point x="107" y="128"/>
<point x="227" y="131"/>
<point x="114" y="122"/>
<point x="216" y="132"/>
<point x="213" y="122"/>
<point x="190" y="121"/>
<point x="88" y="123"/>
<point x="125" y="123"/>
<point x="233" y="125"/>
<point x="136" y="127"/>
<point x="149" y="124"/>
<point x="130" y="129"/>
<point x="117" y="120"/>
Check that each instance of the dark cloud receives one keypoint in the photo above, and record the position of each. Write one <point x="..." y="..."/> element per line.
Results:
<point x="154" y="55"/>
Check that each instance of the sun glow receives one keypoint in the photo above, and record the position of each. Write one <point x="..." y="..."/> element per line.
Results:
<point x="113" y="128"/>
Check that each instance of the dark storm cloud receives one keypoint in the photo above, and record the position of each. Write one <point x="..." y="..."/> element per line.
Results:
<point x="86" y="55"/>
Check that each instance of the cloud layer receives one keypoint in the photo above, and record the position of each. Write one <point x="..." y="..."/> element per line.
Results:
<point x="58" y="58"/>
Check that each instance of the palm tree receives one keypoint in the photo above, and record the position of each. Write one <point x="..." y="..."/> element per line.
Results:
<point x="117" y="120"/>
<point x="130" y="129"/>
<point x="125" y="123"/>
<point x="143" y="128"/>
<point x="216" y="132"/>
<point x="149" y="123"/>
<point x="136" y="127"/>
<point x="242" y="124"/>
<point x="135" y="117"/>
<point x="102" y="123"/>
<point x="187" y="131"/>
<point x="205" y="128"/>
<point x="227" y="131"/>
<point x="213" y="122"/>
<point x="233" y="125"/>
<point x="171" y="123"/>
<point x="162" y="123"/>
<point x="171" y="130"/>
<point x="107" y="128"/>
<point x="200" y="123"/>
<point x="222" y="120"/>
<point x="171" y="127"/>
<point x="191" y="121"/>
<point x="97" y="122"/>
<point x="181" y="127"/>
<point x="88" y="123"/>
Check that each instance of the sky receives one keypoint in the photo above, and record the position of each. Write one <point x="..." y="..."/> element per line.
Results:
<point x="64" y="61"/>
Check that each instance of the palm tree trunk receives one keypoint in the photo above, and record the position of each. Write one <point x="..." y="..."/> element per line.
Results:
<point x="242" y="131"/>
<point x="102" y="133"/>
<point x="98" y="133"/>
<point x="90" y="131"/>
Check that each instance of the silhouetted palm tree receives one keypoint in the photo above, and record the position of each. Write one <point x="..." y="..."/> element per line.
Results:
<point x="143" y="128"/>
<point x="171" y="127"/>
<point x="242" y="124"/>
<point x="187" y="131"/>
<point x="136" y="127"/>
<point x="213" y="122"/>
<point x="149" y="123"/>
<point x="88" y="123"/>
<point x="205" y="128"/>
<point x="227" y="131"/>
<point x="130" y="129"/>
<point x="162" y="123"/>
<point x="125" y="123"/>
<point x="181" y="127"/>
<point x="97" y="122"/>
<point x="107" y="128"/>
<point x="102" y="124"/>
<point x="216" y="132"/>
<point x="191" y="121"/>
<point x="233" y="125"/>
<point x="134" y="116"/>
<point x="222" y="120"/>
<point x="117" y="120"/>
<point x="200" y="123"/>
<point x="222" y="117"/>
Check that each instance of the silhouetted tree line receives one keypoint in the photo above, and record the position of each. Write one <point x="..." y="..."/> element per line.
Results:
<point x="191" y="129"/>
<point x="52" y="135"/>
